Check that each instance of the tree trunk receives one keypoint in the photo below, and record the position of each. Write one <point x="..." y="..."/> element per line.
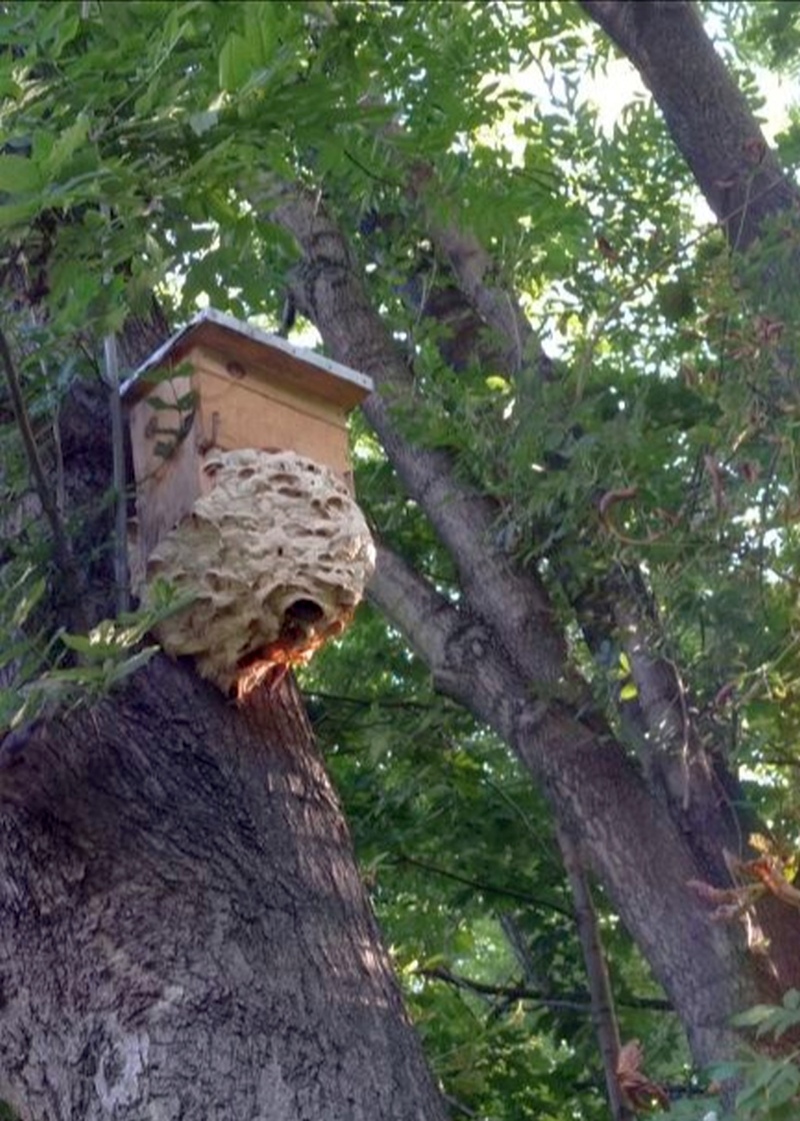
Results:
<point x="184" y="929"/>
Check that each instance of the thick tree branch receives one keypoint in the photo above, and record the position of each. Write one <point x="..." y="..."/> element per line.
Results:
<point x="405" y="597"/>
<point x="329" y="290"/>
<point x="705" y="111"/>
<point x="685" y="768"/>
<point x="595" y="790"/>
<point x="496" y="305"/>
<point x="410" y="601"/>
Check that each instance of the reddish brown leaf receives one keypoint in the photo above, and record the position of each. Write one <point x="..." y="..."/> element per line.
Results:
<point x="636" y="1087"/>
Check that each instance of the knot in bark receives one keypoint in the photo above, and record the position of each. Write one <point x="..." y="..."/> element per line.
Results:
<point x="466" y="649"/>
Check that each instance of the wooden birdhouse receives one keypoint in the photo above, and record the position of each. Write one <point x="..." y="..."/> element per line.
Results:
<point x="220" y="385"/>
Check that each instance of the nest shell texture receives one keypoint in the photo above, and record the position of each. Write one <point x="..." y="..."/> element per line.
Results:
<point x="276" y="557"/>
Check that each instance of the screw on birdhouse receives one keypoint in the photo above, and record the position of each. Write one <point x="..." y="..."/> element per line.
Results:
<point x="270" y="544"/>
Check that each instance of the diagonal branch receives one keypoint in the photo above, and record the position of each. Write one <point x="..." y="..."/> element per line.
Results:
<point x="705" y="111"/>
<point x="411" y="602"/>
<point x="328" y="288"/>
<point x="571" y="1002"/>
<point x="596" y="792"/>
<point x="496" y="305"/>
<point x="482" y="886"/>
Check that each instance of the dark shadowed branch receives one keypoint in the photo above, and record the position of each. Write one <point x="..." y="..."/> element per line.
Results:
<point x="61" y="545"/>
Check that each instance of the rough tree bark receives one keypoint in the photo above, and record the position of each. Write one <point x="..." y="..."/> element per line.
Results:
<point x="184" y="931"/>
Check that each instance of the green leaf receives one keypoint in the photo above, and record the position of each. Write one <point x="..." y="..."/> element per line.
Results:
<point x="65" y="146"/>
<point x="19" y="175"/>
<point x="753" y="1016"/>
<point x="80" y="643"/>
<point x="791" y="1000"/>
<point x="122" y="670"/>
<point x="235" y="62"/>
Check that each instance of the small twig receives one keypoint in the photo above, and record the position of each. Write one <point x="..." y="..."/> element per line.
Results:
<point x="603" y="1013"/>
<point x="509" y="993"/>
<point x="459" y="1106"/>
<point x="61" y="486"/>
<point x="521" y="950"/>
<point x="121" y="574"/>
<point x="569" y="1002"/>
<point x="61" y="545"/>
<point x="370" y="174"/>
<point x="111" y="372"/>
<point x="490" y="889"/>
<point x="369" y="702"/>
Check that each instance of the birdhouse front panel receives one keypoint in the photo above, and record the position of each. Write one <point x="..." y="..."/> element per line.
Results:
<point x="247" y="406"/>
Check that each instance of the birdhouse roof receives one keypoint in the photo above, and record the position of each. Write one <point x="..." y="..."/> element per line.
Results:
<point x="288" y="364"/>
